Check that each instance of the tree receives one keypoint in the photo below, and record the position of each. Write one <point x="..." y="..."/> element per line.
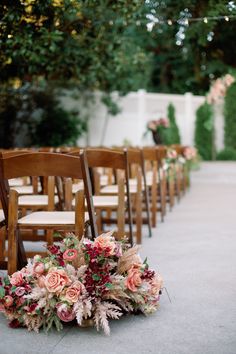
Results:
<point x="84" y="44"/>
<point x="174" y="137"/>
<point x="230" y="117"/>
<point x="188" y="55"/>
<point x="92" y="43"/>
<point x="204" y="131"/>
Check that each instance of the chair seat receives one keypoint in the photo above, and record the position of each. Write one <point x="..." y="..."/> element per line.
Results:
<point x="104" y="201"/>
<point x="26" y="189"/>
<point x="35" y="200"/>
<point x="1" y="215"/>
<point x="50" y="218"/>
<point x="113" y="189"/>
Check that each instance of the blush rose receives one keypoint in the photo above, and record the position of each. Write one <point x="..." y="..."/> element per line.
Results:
<point x="56" y="280"/>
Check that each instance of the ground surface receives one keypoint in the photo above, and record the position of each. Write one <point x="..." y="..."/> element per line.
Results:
<point x="195" y="251"/>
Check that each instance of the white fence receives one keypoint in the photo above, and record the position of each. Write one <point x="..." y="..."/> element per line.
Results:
<point x="137" y="108"/>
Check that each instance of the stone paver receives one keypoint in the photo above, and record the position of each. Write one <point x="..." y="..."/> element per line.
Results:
<point x="195" y="251"/>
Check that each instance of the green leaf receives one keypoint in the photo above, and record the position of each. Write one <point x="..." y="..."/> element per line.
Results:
<point x="109" y="285"/>
<point x="96" y="277"/>
<point x="13" y="289"/>
<point x="6" y="281"/>
<point x="2" y="292"/>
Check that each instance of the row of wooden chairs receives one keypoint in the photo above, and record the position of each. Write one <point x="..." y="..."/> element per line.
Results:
<point x="130" y="195"/>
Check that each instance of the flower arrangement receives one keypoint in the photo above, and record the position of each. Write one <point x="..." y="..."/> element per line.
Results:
<point x="158" y="129"/>
<point x="79" y="280"/>
<point x="171" y="155"/>
<point x="153" y="125"/>
<point x="190" y="153"/>
<point x="218" y="88"/>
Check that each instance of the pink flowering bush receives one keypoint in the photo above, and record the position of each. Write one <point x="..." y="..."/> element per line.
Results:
<point x="79" y="280"/>
<point x="218" y="88"/>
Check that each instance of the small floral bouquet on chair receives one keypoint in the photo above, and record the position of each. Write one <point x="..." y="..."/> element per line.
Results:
<point x="80" y="280"/>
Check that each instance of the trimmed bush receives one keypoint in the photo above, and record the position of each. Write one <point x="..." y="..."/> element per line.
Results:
<point x="230" y="117"/>
<point x="227" y="154"/>
<point x="204" y="131"/>
<point x="174" y="137"/>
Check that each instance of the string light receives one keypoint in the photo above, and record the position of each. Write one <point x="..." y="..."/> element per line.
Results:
<point x="169" y="22"/>
<point x="227" y="18"/>
<point x="205" y="20"/>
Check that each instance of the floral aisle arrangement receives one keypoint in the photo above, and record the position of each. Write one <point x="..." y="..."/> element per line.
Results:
<point x="79" y="280"/>
<point x="171" y="155"/>
<point x="158" y="128"/>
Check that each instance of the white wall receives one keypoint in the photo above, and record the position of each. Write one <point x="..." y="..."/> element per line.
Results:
<point x="137" y="108"/>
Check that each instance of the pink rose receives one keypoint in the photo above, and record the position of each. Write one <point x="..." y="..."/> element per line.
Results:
<point x="70" y="254"/>
<point x="74" y="291"/>
<point x="106" y="244"/>
<point x="65" y="314"/>
<point x="8" y="300"/>
<point x="56" y="280"/>
<point x="20" y="291"/>
<point x="16" y="279"/>
<point x="134" y="278"/>
<point x="38" y="268"/>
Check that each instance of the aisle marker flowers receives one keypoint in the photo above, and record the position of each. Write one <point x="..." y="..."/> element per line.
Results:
<point x="79" y="280"/>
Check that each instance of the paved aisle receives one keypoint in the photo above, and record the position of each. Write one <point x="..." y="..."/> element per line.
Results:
<point x="195" y="250"/>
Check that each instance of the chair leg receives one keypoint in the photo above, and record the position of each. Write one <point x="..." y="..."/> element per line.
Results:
<point x="121" y="210"/>
<point x="79" y="214"/>
<point x="2" y="243"/>
<point x="12" y="234"/>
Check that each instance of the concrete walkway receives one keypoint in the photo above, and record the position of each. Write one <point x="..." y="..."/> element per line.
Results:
<point x="195" y="251"/>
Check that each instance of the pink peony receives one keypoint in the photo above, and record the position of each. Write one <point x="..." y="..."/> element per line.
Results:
<point x="106" y="244"/>
<point x="16" y="279"/>
<point x="74" y="291"/>
<point x="134" y="278"/>
<point x="20" y="291"/>
<point x="56" y="280"/>
<point x="65" y="314"/>
<point x="8" y="300"/>
<point x="38" y="268"/>
<point x="70" y="254"/>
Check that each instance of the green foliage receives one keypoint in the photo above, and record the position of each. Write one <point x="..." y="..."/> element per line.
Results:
<point x="188" y="56"/>
<point x="174" y="137"/>
<point x="204" y="131"/>
<point x="227" y="154"/>
<point x="230" y="117"/>
<point x="94" y="43"/>
<point x="34" y="116"/>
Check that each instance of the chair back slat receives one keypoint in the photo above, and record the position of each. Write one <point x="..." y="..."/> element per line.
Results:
<point x="41" y="164"/>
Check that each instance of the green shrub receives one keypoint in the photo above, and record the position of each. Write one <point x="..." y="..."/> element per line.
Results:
<point x="230" y="117"/>
<point x="227" y="154"/>
<point x="34" y="116"/>
<point x="204" y="131"/>
<point x="173" y="131"/>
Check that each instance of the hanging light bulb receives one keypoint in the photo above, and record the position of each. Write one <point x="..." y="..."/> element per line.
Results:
<point x="226" y="18"/>
<point x="169" y="22"/>
<point x="205" y="20"/>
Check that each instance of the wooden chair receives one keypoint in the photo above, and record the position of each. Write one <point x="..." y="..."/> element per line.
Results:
<point x="104" y="199"/>
<point x="46" y="165"/>
<point x="137" y="170"/>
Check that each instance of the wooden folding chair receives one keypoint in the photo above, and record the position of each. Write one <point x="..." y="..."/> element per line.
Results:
<point x="138" y="179"/>
<point x="106" y="198"/>
<point x="45" y="165"/>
